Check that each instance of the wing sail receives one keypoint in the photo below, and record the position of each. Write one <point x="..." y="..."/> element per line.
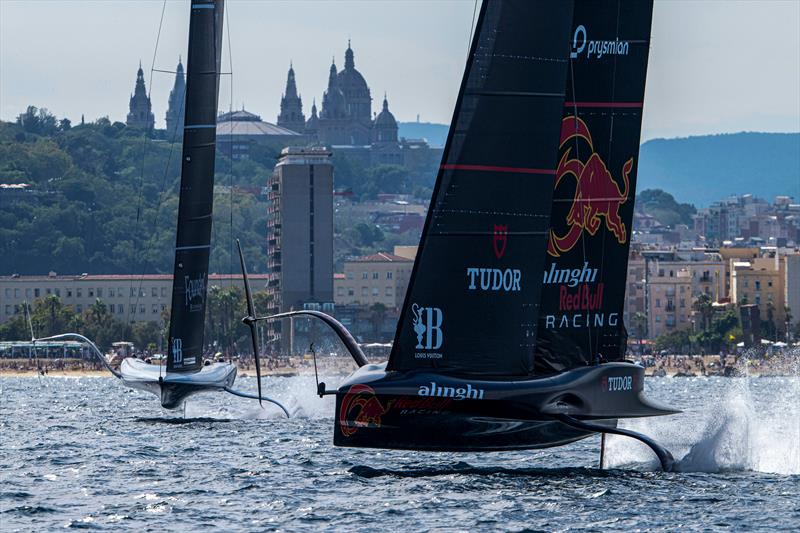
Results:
<point x="472" y="302"/>
<point x="587" y="253"/>
<point x="193" y="244"/>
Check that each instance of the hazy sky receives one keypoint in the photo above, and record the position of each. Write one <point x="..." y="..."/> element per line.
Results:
<point x="715" y="65"/>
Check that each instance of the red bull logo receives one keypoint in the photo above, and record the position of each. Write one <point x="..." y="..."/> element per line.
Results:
<point x="597" y="193"/>
<point x="360" y="409"/>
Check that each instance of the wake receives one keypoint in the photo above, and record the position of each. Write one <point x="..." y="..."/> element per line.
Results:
<point x="752" y="425"/>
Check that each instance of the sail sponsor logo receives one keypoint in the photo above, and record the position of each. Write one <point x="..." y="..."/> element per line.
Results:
<point x="360" y="409"/>
<point x="597" y="194"/>
<point x="583" y="298"/>
<point x="494" y="279"/>
<point x="194" y="289"/>
<point x="581" y="320"/>
<point x="457" y="393"/>
<point x="177" y="351"/>
<point x="427" y="323"/>
<point x="617" y="383"/>
<point x="595" y="48"/>
<point x="570" y="277"/>
<point x="500" y="240"/>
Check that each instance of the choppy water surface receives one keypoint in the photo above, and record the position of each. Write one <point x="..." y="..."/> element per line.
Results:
<point x="88" y="453"/>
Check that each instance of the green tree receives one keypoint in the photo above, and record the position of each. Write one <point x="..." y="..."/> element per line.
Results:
<point x="147" y="335"/>
<point x="640" y="326"/>
<point x="102" y="327"/>
<point x="51" y="317"/>
<point x="674" y="342"/>
<point x="37" y="121"/>
<point x="703" y="305"/>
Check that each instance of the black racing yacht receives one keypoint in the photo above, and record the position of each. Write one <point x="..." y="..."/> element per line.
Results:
<point x="186" y="372"/>
<point x="511" y="335"/>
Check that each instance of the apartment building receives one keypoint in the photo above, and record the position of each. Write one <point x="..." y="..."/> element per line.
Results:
<point x="670" y="301"/>
<point x="761" y="281"/>
<point x="377" y="278"/>
<point x="299" y="239"/>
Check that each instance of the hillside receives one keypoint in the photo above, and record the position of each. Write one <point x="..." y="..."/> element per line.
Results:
<point x="764" y="164"/>
<point x="701" y="170"/>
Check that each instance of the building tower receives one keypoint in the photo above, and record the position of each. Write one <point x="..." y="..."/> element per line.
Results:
<point x="299" y="240"/>
<point x="385" y="128"/>
<point x="141" y="113"/>
<point x="177" y="100"/>
<point x="334" y="123"/>
<point x="355" y="89"/>
<point x="312" y="124"/>
<point x="291" y="116"/>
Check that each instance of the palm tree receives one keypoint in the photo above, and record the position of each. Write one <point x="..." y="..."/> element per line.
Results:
<point x="705" y="308"/>
<point x="640" y="325"/>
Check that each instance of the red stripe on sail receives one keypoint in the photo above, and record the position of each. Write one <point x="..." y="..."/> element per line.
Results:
<point x="489" y="168"/>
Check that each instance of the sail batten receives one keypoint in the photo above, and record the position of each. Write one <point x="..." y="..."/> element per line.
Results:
<point x="196" y="195"/>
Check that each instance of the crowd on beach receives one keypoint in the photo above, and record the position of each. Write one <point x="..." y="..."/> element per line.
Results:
<point x="656" y="365"/>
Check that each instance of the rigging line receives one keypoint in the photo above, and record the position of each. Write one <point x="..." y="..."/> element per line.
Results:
<point x="144" y="157"/>
<point x="472" y="25"/>
<point x="230" y="154"/>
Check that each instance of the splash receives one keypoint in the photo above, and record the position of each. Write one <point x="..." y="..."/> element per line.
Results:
<point x="296" y="393"/>
<point x="750" y="424"/>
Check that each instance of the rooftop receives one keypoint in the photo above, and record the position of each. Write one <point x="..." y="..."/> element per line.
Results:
<point x="245" y="123"/>
<point x="382" y="257"/>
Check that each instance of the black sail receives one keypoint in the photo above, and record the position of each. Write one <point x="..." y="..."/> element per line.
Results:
<point x="472" y="302"/>
<point x="197" y="187"/>
<point x="583" y="290"/>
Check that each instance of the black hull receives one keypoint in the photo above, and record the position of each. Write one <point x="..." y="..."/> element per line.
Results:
<point x="430" y="412"/>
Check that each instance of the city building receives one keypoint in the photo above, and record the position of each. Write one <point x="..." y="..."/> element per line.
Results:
<point x="300" y="238"/>
<point x="239" y="131"/>
<point x="140" y="114"/>
<point x="176" y="107"/>
<point x="669" y="301"/>
<point x="129" y="298"/>
<point x="378" y="278"/>
<point x="751" y="220"/>
<point x="760" y="281"/>
<point x="792" y="288"/>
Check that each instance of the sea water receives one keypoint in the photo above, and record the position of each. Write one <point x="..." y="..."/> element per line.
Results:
<point x="88" y="453"/>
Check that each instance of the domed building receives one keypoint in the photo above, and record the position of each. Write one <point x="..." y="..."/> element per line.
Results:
<point x="385" y="127"/>
<point x="345" y="122"/>
<point x="355" y="90"/>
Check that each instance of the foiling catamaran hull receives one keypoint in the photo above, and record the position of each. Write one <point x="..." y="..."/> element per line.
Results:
<point x="174" y="388"/>
<point x="435" y="412"/>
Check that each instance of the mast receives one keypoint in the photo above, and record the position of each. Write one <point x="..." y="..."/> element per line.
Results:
<point x="472" y="303"/>
<point x="193" y="243"/>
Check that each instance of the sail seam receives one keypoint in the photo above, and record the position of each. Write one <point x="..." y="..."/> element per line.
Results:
<point x="491" y="168"/>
